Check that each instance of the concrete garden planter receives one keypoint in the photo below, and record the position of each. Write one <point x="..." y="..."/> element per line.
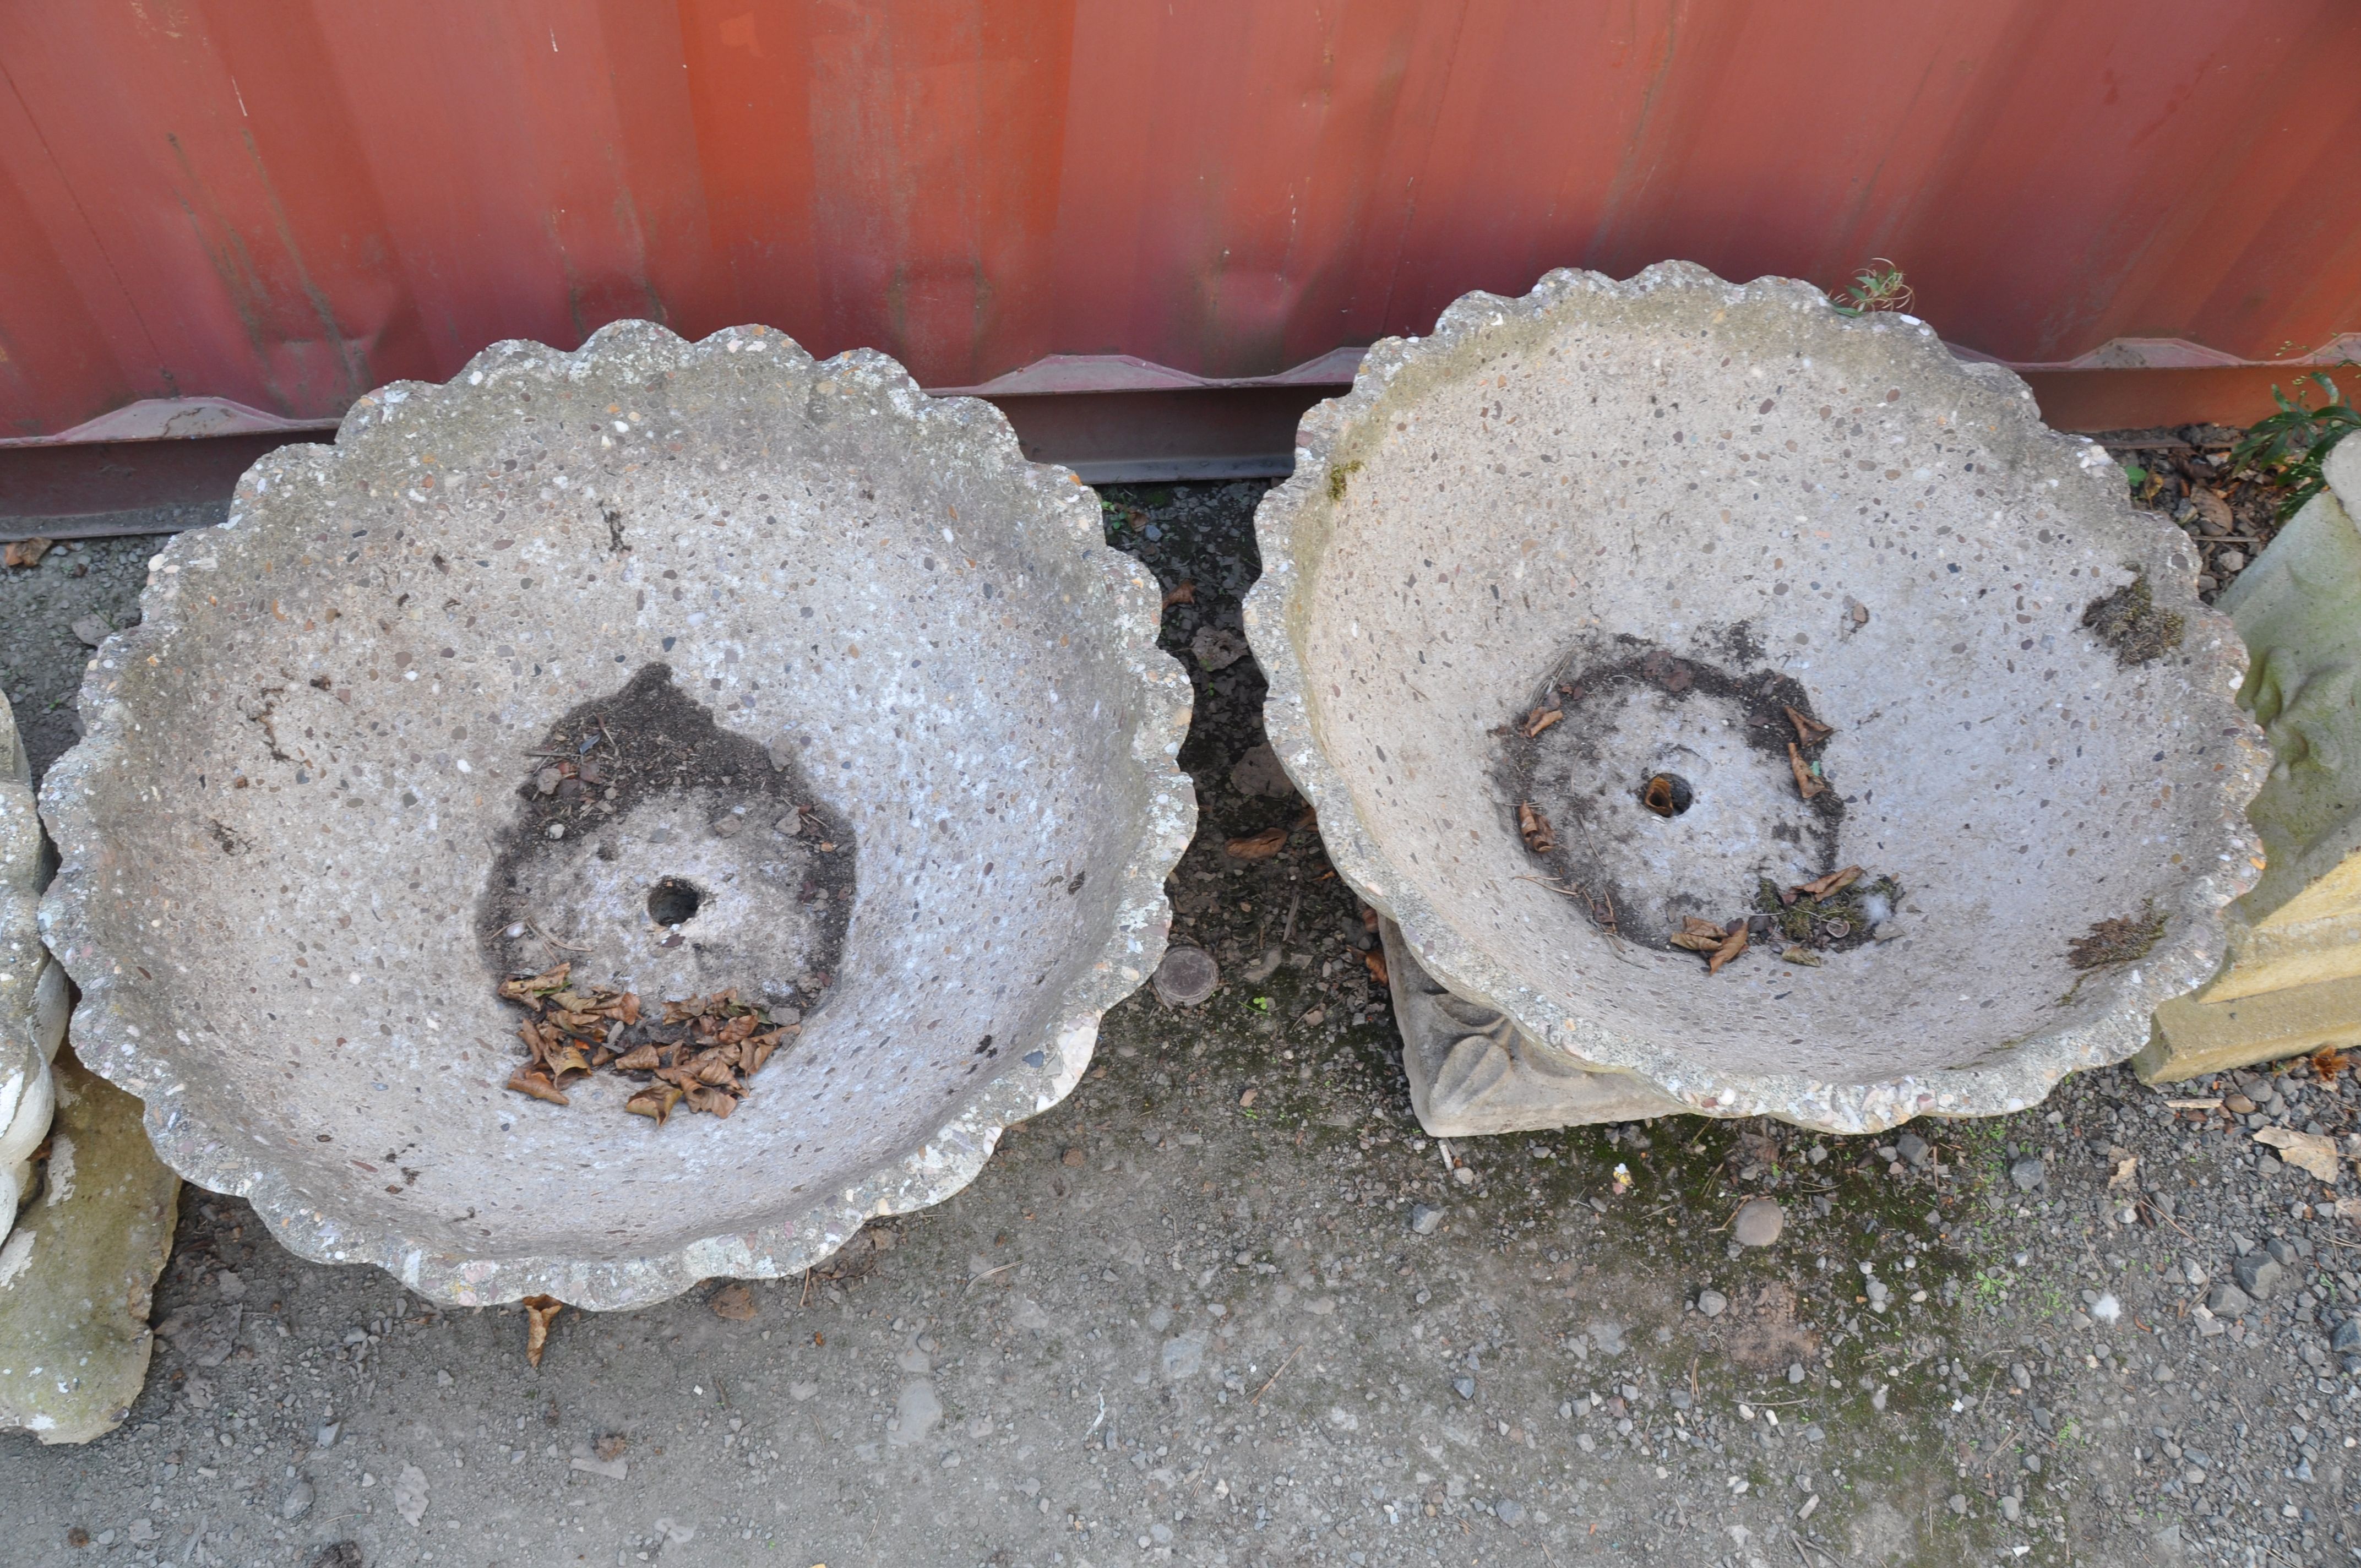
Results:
<point x="79" y="1258"/>
<point x="1614" y="623"/>
<point x="818" y="733"/>
<point x="32" y="989"/>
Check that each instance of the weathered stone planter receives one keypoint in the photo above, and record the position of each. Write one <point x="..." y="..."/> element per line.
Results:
<point x="2291" y="979"/>
<point x="696" y="665"/>
<point x="79" y="1267"/>
<point x="1583" y="551"/>
<point x="32" y="989"/>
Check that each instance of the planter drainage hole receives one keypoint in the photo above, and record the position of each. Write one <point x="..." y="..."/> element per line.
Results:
<point x="1667" y="794"/>
<point x="673" y="901"/>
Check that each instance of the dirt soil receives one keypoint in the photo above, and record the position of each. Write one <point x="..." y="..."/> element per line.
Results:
<point x="1227" y="1306"/>
<point x="2184" y="472"/>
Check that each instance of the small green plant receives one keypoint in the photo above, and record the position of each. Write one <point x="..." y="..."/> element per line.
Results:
<point x="1988" y="1291"/>
<point x="2289" y="446"/>
<point x="1879" y="286"/>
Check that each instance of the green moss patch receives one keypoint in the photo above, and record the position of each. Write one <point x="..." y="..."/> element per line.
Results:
<point x="2128" y="622"/>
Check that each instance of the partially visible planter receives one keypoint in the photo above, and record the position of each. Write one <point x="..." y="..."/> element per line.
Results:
<point x="33" y="995"/>
<point x="1557" y="611"/>
<point x="2291" y="980"/>
<point x="701" y="667"/>
<point x="79" y="1261"/>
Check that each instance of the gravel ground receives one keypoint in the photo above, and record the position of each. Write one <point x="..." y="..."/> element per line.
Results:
<point x="95" y="583"/>
<point x="1227" y="1306"/>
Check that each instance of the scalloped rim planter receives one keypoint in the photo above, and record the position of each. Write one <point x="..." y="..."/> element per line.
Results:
<point x="1402" y="379"/>
<point x="126" y="1029"/>
<point x="33" y="1001"/>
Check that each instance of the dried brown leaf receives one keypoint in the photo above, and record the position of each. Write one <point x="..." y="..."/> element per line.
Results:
<point x="732" y="1301"/>
<point x="1822" y="886"/>
<point x="1182" y="592"/>
<point x="1699" y="936"/>
<point x="530" y="988"/>
<point x="1804" y="956"/>
<point x="1535" y="828"/>
<point x="639" y="1058"/>
<point x="26" y="553"/>
<point x="1539" y="719"/>
<point x="2306" y="1151"/>
<point x="2326" y="1064"/>
<point x="655" y="1101"/>
<point x="540" y="1087"/>
<point x="569" y="1059"/>
<point x="1729" y="948"/>
<point x="1259" y="846"/>
<point x="1808" y="732"/>
<point x="1805" y="785"/>
<point x="540" y="1311"/>
<point x="1376" y="962"/>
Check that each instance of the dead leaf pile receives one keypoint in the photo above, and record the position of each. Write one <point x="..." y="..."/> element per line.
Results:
<point x="701" y="1054"/>
<point x="1719" y="944"/>
<point x="1809" y="732"/>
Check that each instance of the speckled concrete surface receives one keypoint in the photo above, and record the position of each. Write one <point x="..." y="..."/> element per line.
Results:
<point x="1735" y="480"/>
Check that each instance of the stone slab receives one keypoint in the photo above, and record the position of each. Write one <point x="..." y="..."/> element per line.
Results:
<point x="2195" y="1037"/>
<point x="77" y="1274"/>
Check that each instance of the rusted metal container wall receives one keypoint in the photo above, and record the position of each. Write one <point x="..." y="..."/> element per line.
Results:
<point x="284" y="203"/>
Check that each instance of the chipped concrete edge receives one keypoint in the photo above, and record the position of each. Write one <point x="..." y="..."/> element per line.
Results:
<point x="1039" y="1077"/>
<point x="1291" y="526"/>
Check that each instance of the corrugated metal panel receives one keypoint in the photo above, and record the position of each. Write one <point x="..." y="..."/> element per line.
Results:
<point x="283" y="204"/>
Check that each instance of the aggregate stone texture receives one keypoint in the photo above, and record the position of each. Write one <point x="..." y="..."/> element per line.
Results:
<point x="78" y="1272"/>
<point x="1236" y="1330"/>
<point x="294" y="838"/>
<point x="1668" y="509"/>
